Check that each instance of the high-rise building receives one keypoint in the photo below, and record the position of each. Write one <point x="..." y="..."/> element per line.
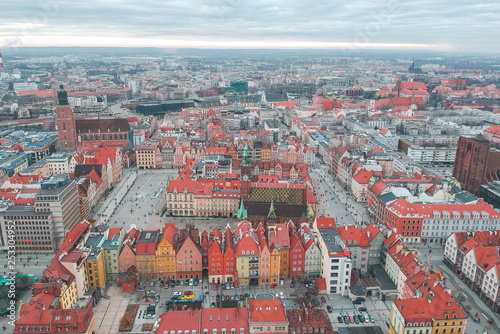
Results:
<point x="59" y="196"/>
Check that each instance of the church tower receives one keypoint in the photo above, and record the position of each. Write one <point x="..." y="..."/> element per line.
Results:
<point x="66" y="128"/>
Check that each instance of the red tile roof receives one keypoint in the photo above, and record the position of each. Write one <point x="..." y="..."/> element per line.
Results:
<point x="379" y="186"/>
<point x="353" y="236"/>
<point x="324" y="222"/>
<point x="266" y="310"/>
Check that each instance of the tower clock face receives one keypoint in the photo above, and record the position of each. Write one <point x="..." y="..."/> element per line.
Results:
<point x="245" y="177"/>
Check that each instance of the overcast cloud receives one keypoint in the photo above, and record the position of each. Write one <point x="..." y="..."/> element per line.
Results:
<point x="422" y="24"/>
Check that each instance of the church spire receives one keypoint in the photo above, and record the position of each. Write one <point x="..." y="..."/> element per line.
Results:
<point x="272" y="211"/>
<point x="246" y="157"/>
<point x="242" y="212"/>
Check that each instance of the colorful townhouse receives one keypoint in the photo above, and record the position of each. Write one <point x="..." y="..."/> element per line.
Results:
<point x="278" y="235"/>
<point x="145" y="258"/>
<point x="247" y="254"/>
<point x="127" y="254"/>
<point x="165" y="252"/>
<point x="189" y="258"/>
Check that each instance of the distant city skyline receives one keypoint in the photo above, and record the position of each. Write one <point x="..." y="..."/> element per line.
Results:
<point x="445" y="25"/>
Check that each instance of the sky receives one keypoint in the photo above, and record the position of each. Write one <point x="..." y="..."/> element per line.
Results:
<point x="441" y="25"/>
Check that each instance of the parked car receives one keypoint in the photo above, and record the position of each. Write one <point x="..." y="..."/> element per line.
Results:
<point x="242" y="297"/>
<point x="162" y="283"/>
<point x="236" y="297"/>
<point x="372" y="320"/>
<point x="188" y="292"/>
<point x="186" y="282"/>
<point x="157" y="299"/>
<point x="274" y="285"/>
<point x="172" y="283"/>
<point x="227" y="297"/>
<point x="351" y="319"/>
<point x="367" y="320"/>
<point x="356" y="302"/>
<point x="362" y="309"/>
<point x="196" y="281"/>
<point x="323" y="299"/>
<point x="152" y="284"/>
<point x="282" y="295"/>
<point x="281" y="283"/>
<point x="139" y="290"/>
<point x="329" y="308"/>
<point x="356" y="320"/>
<point x="340" y="320"/>
<point x="177" y="293"/>
<point x="346" y="319"/>
<point x="151" y="292"/>
<point x="361" y="318"/>
<point x="178" y="282"/>
<point x="361" y="299"/>
<point x="191" y="281"/>
<point x="217" y="298"/>
<point x="213" y="305"/>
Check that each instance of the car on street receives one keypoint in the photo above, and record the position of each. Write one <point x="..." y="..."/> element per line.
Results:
<point x="186" y="282"/>
<point x="195" y="281"/>
<point x="361" y="299"/>
<point x="329" y="308"/>
<point x="152" y="284"/>
<point x="151" y="292"/>
<point x="250" y="295"/>
<point x="242" y="297"/>
<point x="217" y="298"/>
<point x="356" y="320"/>
<point x="361" y="318"/>
<point x="282" y="295"/>
<point x="172" y="283"/>
<point x="367" y="320"/>
<point x="177" y="293"/>
<point x="346" y="319"/>
<point x="372" y="320"/>
<point x="236" y="297"/>
<point x="223" y="286"/>
<point x="215" y="287"/>
<point x="362" y="309"/>
<point x="188" y="292"/>
<point x="356" y="302"/>
<point x="182" y="282"/>
<point x="274" y="285"/>
<point x="191" y="281"/>
<point x="227" y="297"/>
<point x="212" y="305"/>
<point x="139" y="290"/>
<point x="166" y="286"/>
<point x="351" y="319"/>
<point x="323" y="299"/>
<point x="162" y="283"/>
<point x="157" y="299"/>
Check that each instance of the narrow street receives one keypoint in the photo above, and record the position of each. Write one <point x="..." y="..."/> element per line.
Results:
<point x="334" y="201"/>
